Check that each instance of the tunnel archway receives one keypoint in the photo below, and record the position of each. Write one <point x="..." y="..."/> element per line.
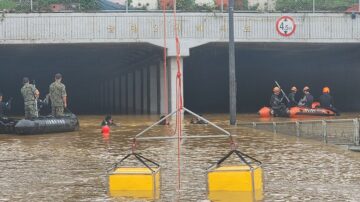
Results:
<point x="83" y="66"/>
<point x="259" y="64"/>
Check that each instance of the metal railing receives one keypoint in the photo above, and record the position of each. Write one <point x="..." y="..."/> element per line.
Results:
<point x="335" y="131"/>
<point x="182" y="6"/>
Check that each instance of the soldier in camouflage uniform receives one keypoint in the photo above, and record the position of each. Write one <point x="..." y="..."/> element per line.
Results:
<point x="57" y="96"/>
<point x="30" y="95"/>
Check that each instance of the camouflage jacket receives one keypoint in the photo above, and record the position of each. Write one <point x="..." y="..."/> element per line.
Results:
<point x="57" y="92"/>
<point x="28" y="93"/>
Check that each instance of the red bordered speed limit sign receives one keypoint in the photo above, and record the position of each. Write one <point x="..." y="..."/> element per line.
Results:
<point x="285" y="26"/>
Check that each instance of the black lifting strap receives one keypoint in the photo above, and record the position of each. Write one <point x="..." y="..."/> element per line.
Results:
<point x="240" y="155"/>
<point x="139" y="157"/>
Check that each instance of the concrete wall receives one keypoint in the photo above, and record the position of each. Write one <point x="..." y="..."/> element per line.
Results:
<point x="193" y="28"/>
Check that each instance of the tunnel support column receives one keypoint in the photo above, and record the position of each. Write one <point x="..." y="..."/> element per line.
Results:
<point x="138" y="96"/>
<point x="162" y="86"/>
<point x="130" y="93"/>
<point x="173" y="69"/>
<point x="111" y="95"/>
<point x="145" y="96"/>
<point x="123" y="94"/>
<point x="117" y="94"/>
<point x="153" y="87"/>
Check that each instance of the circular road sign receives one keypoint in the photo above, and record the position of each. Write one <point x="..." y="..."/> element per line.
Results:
<point x="285" y="26"/>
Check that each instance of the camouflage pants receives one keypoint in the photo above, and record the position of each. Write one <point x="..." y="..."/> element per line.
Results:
<point x="30" y="110"/>
<point x="57" y="111"/>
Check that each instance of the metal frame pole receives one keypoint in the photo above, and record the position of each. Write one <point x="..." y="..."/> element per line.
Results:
<point x="127" y="6"/>
<point x="207" y="121"/>
<point x="232" y="77"/>
<point x="222" y="6"/>
<point x="148" y="128"/>
<point x="313" y="6"/>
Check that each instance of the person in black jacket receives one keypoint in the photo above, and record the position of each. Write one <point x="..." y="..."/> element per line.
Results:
<point x="292" y="97"/>
<point x="326" y="101"/>
<point x="276" y="103"/>
<point x="108" y="121"/>
<point x="307" y="100"/>
<point x="4" y="106"/>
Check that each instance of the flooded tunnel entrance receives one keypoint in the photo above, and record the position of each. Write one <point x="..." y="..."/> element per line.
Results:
<point x="126" y="78"/>
<point x="259" y="64"/>
<point x="86" y="70"/>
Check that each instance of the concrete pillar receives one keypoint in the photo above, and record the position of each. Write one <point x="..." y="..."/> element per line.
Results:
<point x="123" y="94"/>
<point x="138" y="87"/>
<point x="153" y="84"/>
<point x="145" y="91"/>
<point x="173" y="69"/>
<point x="117" y="94"/>
<point x="111" y="96"/>
<point x="161" y="89"/>
<point x="106" y="97"/>
<point x="101" y="96"/>
<point x="130" y="93"/>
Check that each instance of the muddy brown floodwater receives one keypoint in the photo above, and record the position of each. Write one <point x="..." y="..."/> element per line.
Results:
<point x="73" y="166"/>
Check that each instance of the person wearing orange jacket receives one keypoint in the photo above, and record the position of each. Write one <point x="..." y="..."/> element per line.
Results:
<point x="326" y="100"/>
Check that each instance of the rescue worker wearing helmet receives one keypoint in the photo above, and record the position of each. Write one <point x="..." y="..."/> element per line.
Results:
<point x="276" y="103"/>
<point x="326" y="100"/>
<point x="307" y="100"/>
<point x="292" y="97"/>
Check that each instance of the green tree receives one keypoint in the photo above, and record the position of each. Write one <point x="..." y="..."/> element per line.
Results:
<point x="7" y="5"/>
<point x="185" y="5"/>
<point x="307" y="5"/>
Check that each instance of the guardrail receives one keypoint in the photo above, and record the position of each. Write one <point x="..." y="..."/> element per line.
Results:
<point x="336" y="131"/>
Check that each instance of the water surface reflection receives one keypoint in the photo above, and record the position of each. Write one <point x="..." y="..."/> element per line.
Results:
<point x="73" y="166"/>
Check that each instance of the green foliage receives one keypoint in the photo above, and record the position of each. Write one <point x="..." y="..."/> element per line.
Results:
<point x="307" y="5"/>
<point x="88" y="4"/>
<point x="85" y="5"/>
<point x="7" y="4"/>
<point x="185" y="5"/>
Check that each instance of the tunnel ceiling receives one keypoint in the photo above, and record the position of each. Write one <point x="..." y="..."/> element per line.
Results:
<point x="74" y="59"/>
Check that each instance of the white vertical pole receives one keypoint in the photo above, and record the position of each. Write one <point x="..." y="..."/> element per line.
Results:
<point x="222" y="6"/>
<point x="127" y="6"/>
<point x="313" y="6"/>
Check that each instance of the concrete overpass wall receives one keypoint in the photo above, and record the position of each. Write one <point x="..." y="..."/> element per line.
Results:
<point x="194" y="28"/>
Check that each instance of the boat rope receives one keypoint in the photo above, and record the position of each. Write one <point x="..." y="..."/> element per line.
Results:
<point x="179" y="104"/>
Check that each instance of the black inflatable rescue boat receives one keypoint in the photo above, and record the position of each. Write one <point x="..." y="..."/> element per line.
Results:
<point x="40" y="125"/>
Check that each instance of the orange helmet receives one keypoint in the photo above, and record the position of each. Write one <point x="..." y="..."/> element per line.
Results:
<point x="276" y="89"/>
<point x="326" y="90"/>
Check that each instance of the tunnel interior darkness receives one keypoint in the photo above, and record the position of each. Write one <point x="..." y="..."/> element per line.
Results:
<point x="205" y="72"/>
<point x="83" y="67"/>
<point x="259" y="64"/>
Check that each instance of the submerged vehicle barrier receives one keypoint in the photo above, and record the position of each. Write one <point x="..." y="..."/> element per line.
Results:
<point x="334" y="131"/>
